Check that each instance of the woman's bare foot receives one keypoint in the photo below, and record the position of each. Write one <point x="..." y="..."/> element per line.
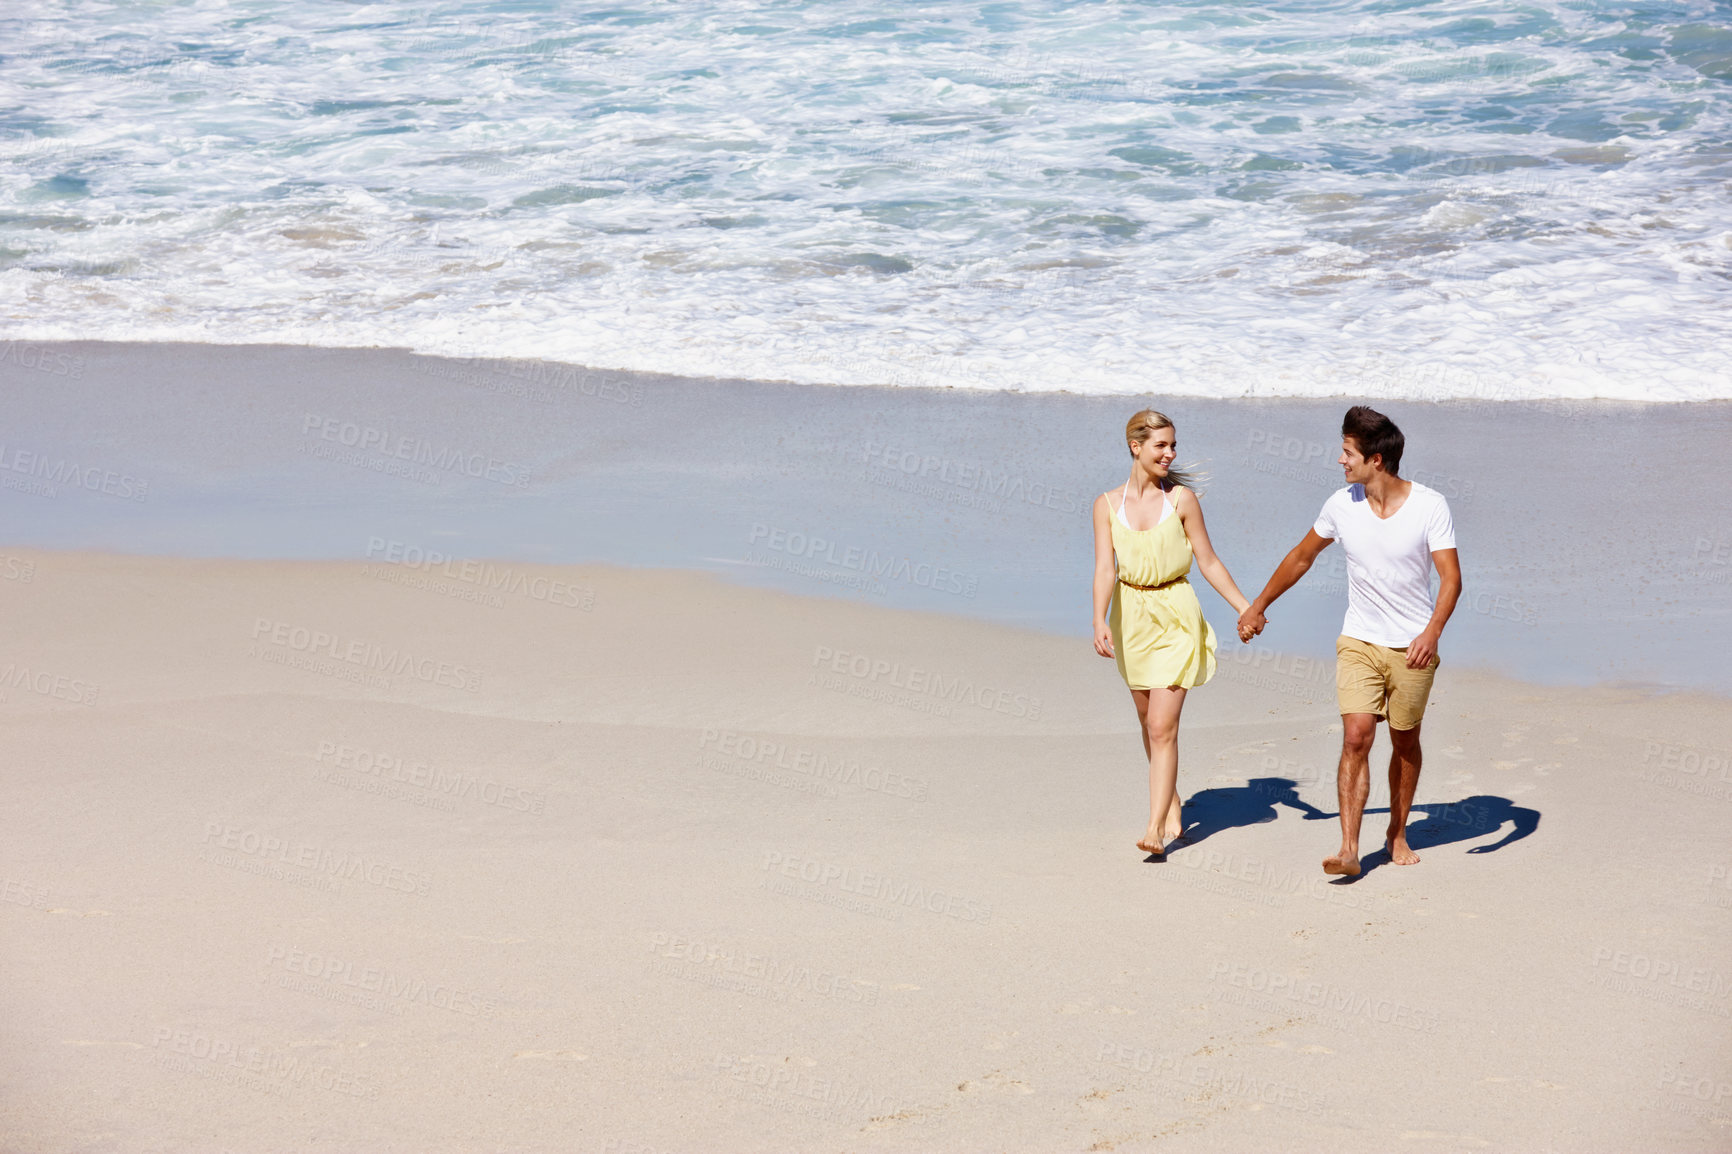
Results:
<point x="1400" y="852"/>
<point x="1342" y="863"/>
<point x="1150" y="843"/>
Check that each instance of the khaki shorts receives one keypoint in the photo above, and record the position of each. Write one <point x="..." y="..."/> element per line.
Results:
<point x="1375" y="679"/>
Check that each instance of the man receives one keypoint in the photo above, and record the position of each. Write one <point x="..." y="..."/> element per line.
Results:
<point x="1393" y="531"/>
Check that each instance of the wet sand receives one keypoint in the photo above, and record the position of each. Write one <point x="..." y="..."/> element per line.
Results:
<point x="1592" y="545"/>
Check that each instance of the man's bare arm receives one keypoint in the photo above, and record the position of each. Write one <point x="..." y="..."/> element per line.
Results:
<point x="1421" y="650"/>
<point x="1293" y="566"/>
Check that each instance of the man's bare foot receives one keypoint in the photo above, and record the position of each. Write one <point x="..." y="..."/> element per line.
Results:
<point x="1342" y="863"/>
<point x="1399" y="851"/>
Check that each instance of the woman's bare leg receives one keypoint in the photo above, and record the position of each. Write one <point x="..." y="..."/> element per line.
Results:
<point x="1175" y="824"/>
<point x="1158" y="709"/>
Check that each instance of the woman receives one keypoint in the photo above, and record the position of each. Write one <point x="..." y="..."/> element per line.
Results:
<point x="1156" y="632"/>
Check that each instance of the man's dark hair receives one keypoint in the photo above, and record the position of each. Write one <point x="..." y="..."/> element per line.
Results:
<point x="1375" y="434"/>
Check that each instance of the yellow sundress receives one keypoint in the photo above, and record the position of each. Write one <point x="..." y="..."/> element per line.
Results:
<point x="1160" y="636"/>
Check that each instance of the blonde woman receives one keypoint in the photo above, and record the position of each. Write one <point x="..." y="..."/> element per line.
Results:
<point x="1145" y="537"/>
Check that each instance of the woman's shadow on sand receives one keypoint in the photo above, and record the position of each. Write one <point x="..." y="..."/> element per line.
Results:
<point x="1210" y="811"/>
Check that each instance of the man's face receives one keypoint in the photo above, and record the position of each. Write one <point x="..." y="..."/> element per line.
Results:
<point x="1354" y="466"/>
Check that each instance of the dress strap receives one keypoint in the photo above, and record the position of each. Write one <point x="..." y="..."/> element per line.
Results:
<point x="1122" y="493"/>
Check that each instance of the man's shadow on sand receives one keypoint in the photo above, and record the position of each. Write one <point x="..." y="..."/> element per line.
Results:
<point x="1210" y="811"/>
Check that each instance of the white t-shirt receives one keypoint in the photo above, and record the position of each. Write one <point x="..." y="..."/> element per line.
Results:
<point x="1388" y="561"/>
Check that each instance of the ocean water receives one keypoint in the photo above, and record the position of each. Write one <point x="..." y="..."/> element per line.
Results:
<point x="1388" y="198"/>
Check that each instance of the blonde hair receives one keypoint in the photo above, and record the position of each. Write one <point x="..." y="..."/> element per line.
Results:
<point x="1139" y="428"/>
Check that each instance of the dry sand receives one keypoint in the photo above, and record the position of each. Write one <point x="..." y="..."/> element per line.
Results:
<point x="638" y="860"/>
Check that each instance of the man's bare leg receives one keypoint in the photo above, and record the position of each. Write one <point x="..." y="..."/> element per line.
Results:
<point x="1161" y="740"/>
<point x="1404" y="761"/>
<point x="1352" y="787"/>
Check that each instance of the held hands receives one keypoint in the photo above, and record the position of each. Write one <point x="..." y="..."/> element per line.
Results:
<point x="1251" y="623"/>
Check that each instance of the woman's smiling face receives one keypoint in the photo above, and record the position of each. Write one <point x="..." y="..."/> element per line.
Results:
<point x="1157" y="453"/>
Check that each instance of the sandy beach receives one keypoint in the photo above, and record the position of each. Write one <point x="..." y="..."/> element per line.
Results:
<point x="355" y="855"/>
<point x="547" y="557"/>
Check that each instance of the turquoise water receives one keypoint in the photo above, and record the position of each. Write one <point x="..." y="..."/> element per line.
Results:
<point x="1389" y="199"/>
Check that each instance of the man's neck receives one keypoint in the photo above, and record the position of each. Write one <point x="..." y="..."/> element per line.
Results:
<point x="1386" y="492"/>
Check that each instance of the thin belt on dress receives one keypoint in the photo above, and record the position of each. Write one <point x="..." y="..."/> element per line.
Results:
<point x="1162" y="585"/>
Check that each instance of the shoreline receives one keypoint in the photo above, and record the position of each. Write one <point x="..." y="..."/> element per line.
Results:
<point x="915" y="688"/>
<point x="497" y="583"/>
<point x="56" y="356"/>
<point x="949" y="500"/>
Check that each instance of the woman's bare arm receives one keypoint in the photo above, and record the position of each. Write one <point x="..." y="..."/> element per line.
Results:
<point x="1106" y="574"/>
<point x="1190" y="511"/>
